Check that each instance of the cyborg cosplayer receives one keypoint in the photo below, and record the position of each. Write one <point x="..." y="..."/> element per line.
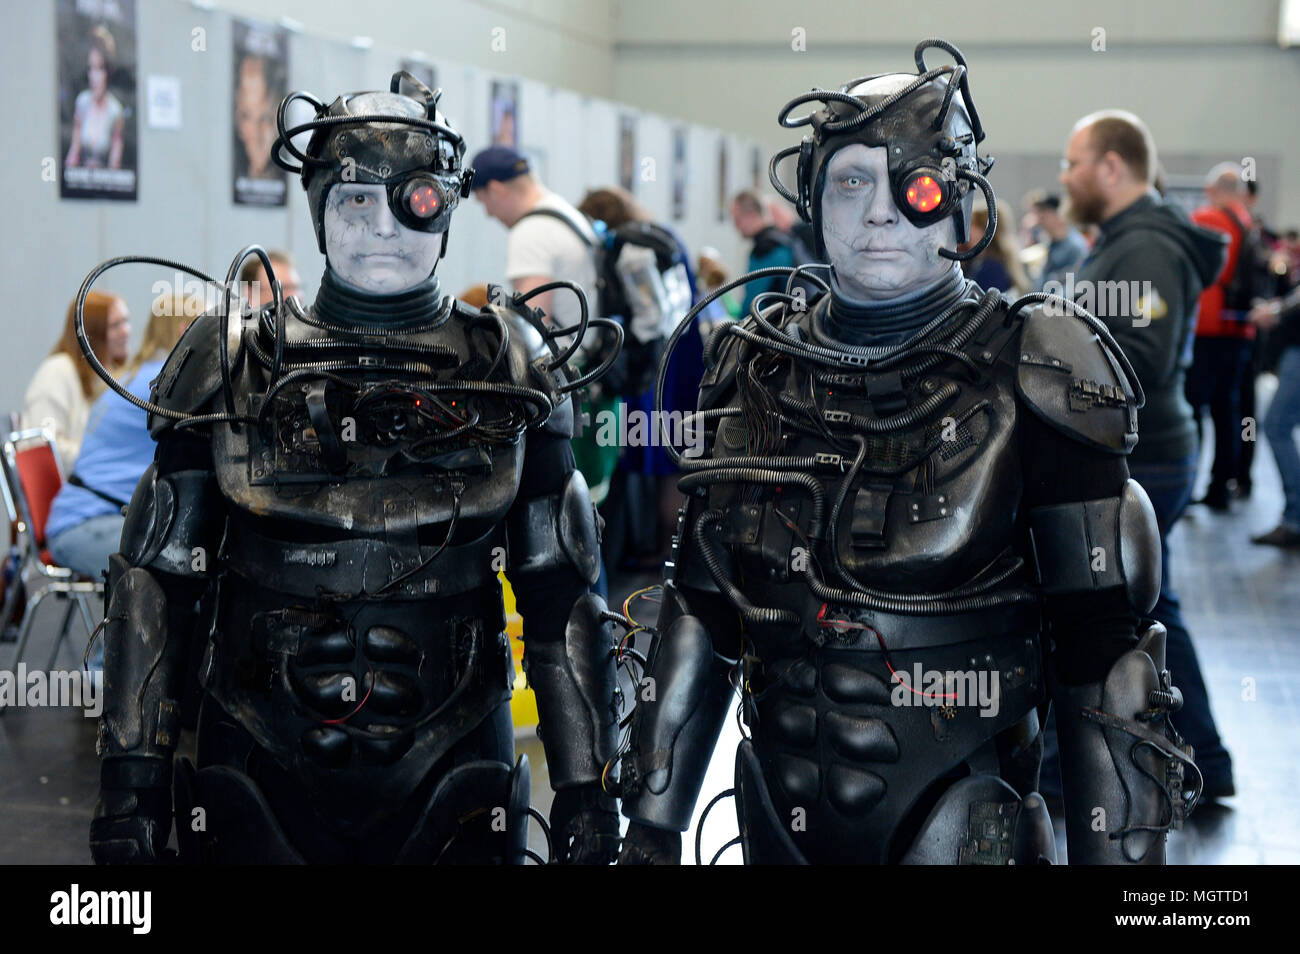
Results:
<point x="318" y="540"/>
<point x="911" y="476"/>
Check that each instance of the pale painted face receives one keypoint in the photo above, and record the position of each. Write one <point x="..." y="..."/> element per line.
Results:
<point x="368" y="248"/>
<point x="877" y="253"/>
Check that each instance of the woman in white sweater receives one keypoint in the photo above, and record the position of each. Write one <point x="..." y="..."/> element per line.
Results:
<point x="64" y="385"/>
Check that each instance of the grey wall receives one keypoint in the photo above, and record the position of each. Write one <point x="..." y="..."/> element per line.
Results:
<point x="184" y="210"/>
<point x="1208" y="77"/>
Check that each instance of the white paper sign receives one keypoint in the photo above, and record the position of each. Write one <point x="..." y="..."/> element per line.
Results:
<point x="164" y="98"/>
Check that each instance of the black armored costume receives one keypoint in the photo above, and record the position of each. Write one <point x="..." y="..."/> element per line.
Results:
<point x="334" y="492"/>
<point x="912" y="527"/>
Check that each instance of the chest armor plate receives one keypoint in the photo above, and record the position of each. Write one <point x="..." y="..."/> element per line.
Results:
<point x="934" y="502"/>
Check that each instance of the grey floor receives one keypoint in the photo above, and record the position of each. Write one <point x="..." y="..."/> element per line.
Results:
<point x="1242" y="606"/>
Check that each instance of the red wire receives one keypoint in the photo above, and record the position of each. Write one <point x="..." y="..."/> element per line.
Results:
<point x="342" y="719"/>
<point x="843" y="624"/>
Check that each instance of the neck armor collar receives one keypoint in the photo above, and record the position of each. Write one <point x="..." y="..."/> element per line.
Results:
<point x="857" y="322"/>
<point x="340" y="304"/>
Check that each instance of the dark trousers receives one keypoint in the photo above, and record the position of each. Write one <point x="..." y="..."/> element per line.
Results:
<point x="1254" y="367"/>
<point x="1215" y="381"/>
<point x="1170" y="488"/>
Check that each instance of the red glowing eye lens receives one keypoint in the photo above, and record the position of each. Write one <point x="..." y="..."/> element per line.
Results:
<point x="924" y="194"/>
<point x="423" y="201"/>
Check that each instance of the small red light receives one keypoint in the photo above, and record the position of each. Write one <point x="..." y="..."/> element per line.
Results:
<point x="924" y="194"/>
<point x="423" y="201"/>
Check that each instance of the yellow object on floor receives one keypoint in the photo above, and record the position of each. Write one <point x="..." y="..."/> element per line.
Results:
<point x="523" y="704"/>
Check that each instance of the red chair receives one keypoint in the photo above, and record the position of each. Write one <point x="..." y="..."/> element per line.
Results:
<point x="31" y="477"/>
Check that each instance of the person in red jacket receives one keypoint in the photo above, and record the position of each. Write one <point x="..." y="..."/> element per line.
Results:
<point x="1224" y="338"/>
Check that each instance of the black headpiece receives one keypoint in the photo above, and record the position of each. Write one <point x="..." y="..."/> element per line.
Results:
<point x="378" y="138"/>
<point x="932" y="145"/>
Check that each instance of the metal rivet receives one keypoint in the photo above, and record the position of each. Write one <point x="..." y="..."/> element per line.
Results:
<point x="986" y="355"/>
<point x="1025" y="356"/>
<point x="942" y="499"/>
<point x="943" y="511"/>
<point x="916" y="506"/>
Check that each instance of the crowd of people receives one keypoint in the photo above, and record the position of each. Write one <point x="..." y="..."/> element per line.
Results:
<point x="1216" y="303"/>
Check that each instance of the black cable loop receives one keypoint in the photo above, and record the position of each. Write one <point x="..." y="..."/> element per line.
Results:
<point x="840" y="127"/>
<point x="918" y="55"/>
<point x="825" y="96"/>
<point x="774" y="177"/>
<point x="759" y="615"/>
<point x="223" y="344"/>
<point x="699" y="829"/>
<point x="991" y="202"/>
<point x="79" y="326"/>
<point x="605" y="365"/>
<point x="580" y="328"/>
<point x="284" y="137"/>
<point x="958" y="77"/>
<point x="546" y="831"/>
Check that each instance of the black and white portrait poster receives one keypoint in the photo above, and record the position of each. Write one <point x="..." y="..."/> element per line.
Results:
<point x="98" y="131"/>
<point x="627" y="152"/>
<point x="679" y="173"/>
<point x="504" y="121"/>
<point x="422" y="71"/>
<point x="260" y="81"/>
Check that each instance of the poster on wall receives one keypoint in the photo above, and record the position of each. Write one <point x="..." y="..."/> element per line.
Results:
<point x="627" y="152"/>
<point x="756" y="168"/>
<point x="722" y="180"/>
<point x="261" y="80"/>
<point x="504" y="121"/>
<point x="679" y="173"/>
<point x="422" y="71"/>
<point x="98" y="128"/>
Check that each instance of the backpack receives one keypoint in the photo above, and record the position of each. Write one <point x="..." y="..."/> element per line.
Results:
<point x="642" y="282"/>
<point x="1252" y="278"/>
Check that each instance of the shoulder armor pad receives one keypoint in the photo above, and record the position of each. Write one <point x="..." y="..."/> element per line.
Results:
<point x="1067" y="376"/>
<point x="191" y="376"/>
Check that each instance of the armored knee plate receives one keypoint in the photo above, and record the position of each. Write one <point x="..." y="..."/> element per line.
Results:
<point x="478" y="815"/>
<point x="675" y="727"/>
<point x="222" y="817"/>
<point x="764" y="838"/>
<point x="576" y="686"/>
<point x="140" y="717"/>
<point x="1122" y="763"/>
<point x="981" y="820"/>
<point x="1098" y="544"/>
